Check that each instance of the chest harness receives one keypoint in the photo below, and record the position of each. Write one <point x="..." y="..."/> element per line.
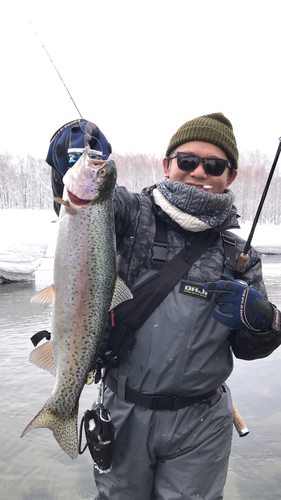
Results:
<point x="128" y="317"/>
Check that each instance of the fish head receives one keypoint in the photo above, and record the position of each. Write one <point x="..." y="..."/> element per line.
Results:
<point x="89" y="180"/>
<point x="106" y="179"/>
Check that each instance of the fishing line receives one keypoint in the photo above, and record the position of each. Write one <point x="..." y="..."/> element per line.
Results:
<point x="56" y="70"/>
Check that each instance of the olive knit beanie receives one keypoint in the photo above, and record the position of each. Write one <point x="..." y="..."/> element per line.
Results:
<point x="214" y="128"/>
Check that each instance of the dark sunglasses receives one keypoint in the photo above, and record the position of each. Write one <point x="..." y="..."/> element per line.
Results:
<point x="189" y="162"/>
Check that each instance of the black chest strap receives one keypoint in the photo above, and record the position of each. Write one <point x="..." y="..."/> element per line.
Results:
<point x="149" y="294"/>
<point x="160" y="248"/>
<point x="229" y="245"/>
<point x="160" y="245"/>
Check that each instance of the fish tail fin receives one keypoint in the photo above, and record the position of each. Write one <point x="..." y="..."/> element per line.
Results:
<point x="65" y="431"/>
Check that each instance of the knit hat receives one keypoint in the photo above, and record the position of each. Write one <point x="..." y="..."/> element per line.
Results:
<point x="214" y="128"/>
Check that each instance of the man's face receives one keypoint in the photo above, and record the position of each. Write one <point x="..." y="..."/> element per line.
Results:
<point x="198" y="177"/>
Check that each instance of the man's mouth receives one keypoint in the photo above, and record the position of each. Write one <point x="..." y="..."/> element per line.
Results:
<point x="201" y="187"/>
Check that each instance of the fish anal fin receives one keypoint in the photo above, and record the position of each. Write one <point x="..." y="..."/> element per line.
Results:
<point x="45" y="296"/>
<point x="43" y="357"/>
<point x="120" y="293"/>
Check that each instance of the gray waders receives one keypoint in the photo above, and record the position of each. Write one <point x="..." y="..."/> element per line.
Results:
<point x="166" y="454"/>
<point x="169" y="455"/>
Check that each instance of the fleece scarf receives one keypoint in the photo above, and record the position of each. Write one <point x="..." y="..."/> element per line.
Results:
<point x="191" y="208"/>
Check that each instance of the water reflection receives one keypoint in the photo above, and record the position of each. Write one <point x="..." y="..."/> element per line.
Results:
<point x="35" y="468"/>
<point x="255" y="463"/>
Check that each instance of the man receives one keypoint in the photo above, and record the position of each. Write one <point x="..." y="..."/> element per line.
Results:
<point x="167" y="397"/>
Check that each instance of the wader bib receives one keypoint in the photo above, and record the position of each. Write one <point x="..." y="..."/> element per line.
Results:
<point x="166" y="446"/>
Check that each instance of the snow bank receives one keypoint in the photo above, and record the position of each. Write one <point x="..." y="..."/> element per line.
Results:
<point x="29" y="235"/>
<point x="26" y="236"/>
<point x="266" y="239"/>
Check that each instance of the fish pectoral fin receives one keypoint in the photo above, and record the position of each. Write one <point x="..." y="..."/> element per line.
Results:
<point x="69" y="210"/>
<point x="61" y="201"/>
<point x="90" y="378"/>
<point x="43" y="357"/>
<point x="45" y="296"/>
<point x="120" y="293"/>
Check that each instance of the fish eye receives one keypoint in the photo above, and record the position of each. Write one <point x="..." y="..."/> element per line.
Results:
<point x="102" y="172"/>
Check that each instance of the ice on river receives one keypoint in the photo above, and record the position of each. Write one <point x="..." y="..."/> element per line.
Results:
<point x="26" y="237"/>
<point x="29" y="235"/>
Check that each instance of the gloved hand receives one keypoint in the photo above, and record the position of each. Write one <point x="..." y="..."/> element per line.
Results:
<point x="76" y="134"/>
<point x="239" y="306"/>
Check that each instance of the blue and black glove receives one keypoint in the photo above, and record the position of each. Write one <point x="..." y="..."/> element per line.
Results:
<point x="239" y="306"/>
<point x="76" y="134"/>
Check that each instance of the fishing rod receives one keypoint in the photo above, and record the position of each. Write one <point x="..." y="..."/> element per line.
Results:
<point x="243" y="257"/>
<point x="56" y="71"/>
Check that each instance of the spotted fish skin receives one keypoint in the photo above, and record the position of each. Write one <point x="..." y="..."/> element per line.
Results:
<point x="86" y="288"/>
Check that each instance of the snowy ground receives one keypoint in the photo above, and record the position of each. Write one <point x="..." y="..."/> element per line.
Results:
<point x="27" y="236"/>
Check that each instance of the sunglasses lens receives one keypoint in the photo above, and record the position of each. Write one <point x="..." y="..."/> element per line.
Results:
<point x="188" y="163"/>
<point x="214" y="166"/>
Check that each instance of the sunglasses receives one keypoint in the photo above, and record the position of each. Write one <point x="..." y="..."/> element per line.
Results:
<point x="189" y="162"/>
<point x="75" y="153"/>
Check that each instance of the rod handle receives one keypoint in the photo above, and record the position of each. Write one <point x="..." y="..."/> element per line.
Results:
<point x="239" y="423"/>
<point x="242" y="261"/>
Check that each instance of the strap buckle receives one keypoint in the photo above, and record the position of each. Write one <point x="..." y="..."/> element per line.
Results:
<point x="164" y="403"/>
<point x="228" y="239"/>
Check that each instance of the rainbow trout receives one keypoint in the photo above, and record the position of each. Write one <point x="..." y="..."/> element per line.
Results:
<point x="85" y="288"/>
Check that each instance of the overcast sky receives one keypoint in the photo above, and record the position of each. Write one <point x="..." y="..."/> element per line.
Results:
<point x="139" y="70"/>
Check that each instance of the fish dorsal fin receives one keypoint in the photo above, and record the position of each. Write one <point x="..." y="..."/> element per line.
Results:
<point x="45" y="296"/>
<point x="120" y="293"/>
<point x="43" y="356"/>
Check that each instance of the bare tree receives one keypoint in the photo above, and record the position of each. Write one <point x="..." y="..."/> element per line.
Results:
<point x="25" y="182"/>
<point x="248" y="187"/>
<point x="136" y="171"/>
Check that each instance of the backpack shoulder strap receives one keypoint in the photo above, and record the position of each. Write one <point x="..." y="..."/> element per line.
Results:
<point x="160" y="245"/>
<point x="149" y="294"/>
<point x="229" y="244"/>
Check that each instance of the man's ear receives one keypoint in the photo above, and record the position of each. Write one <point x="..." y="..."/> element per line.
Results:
<point x="166" y="166"/>
<point x="232" y="178"/>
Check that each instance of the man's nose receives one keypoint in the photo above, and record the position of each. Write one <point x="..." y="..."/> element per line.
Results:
<point x="199" y="172"/>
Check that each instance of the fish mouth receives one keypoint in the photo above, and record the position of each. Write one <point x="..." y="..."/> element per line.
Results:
<point x="74" y="200"/>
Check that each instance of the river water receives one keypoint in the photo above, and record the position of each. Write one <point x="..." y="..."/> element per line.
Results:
<point x="35" y="468"/>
